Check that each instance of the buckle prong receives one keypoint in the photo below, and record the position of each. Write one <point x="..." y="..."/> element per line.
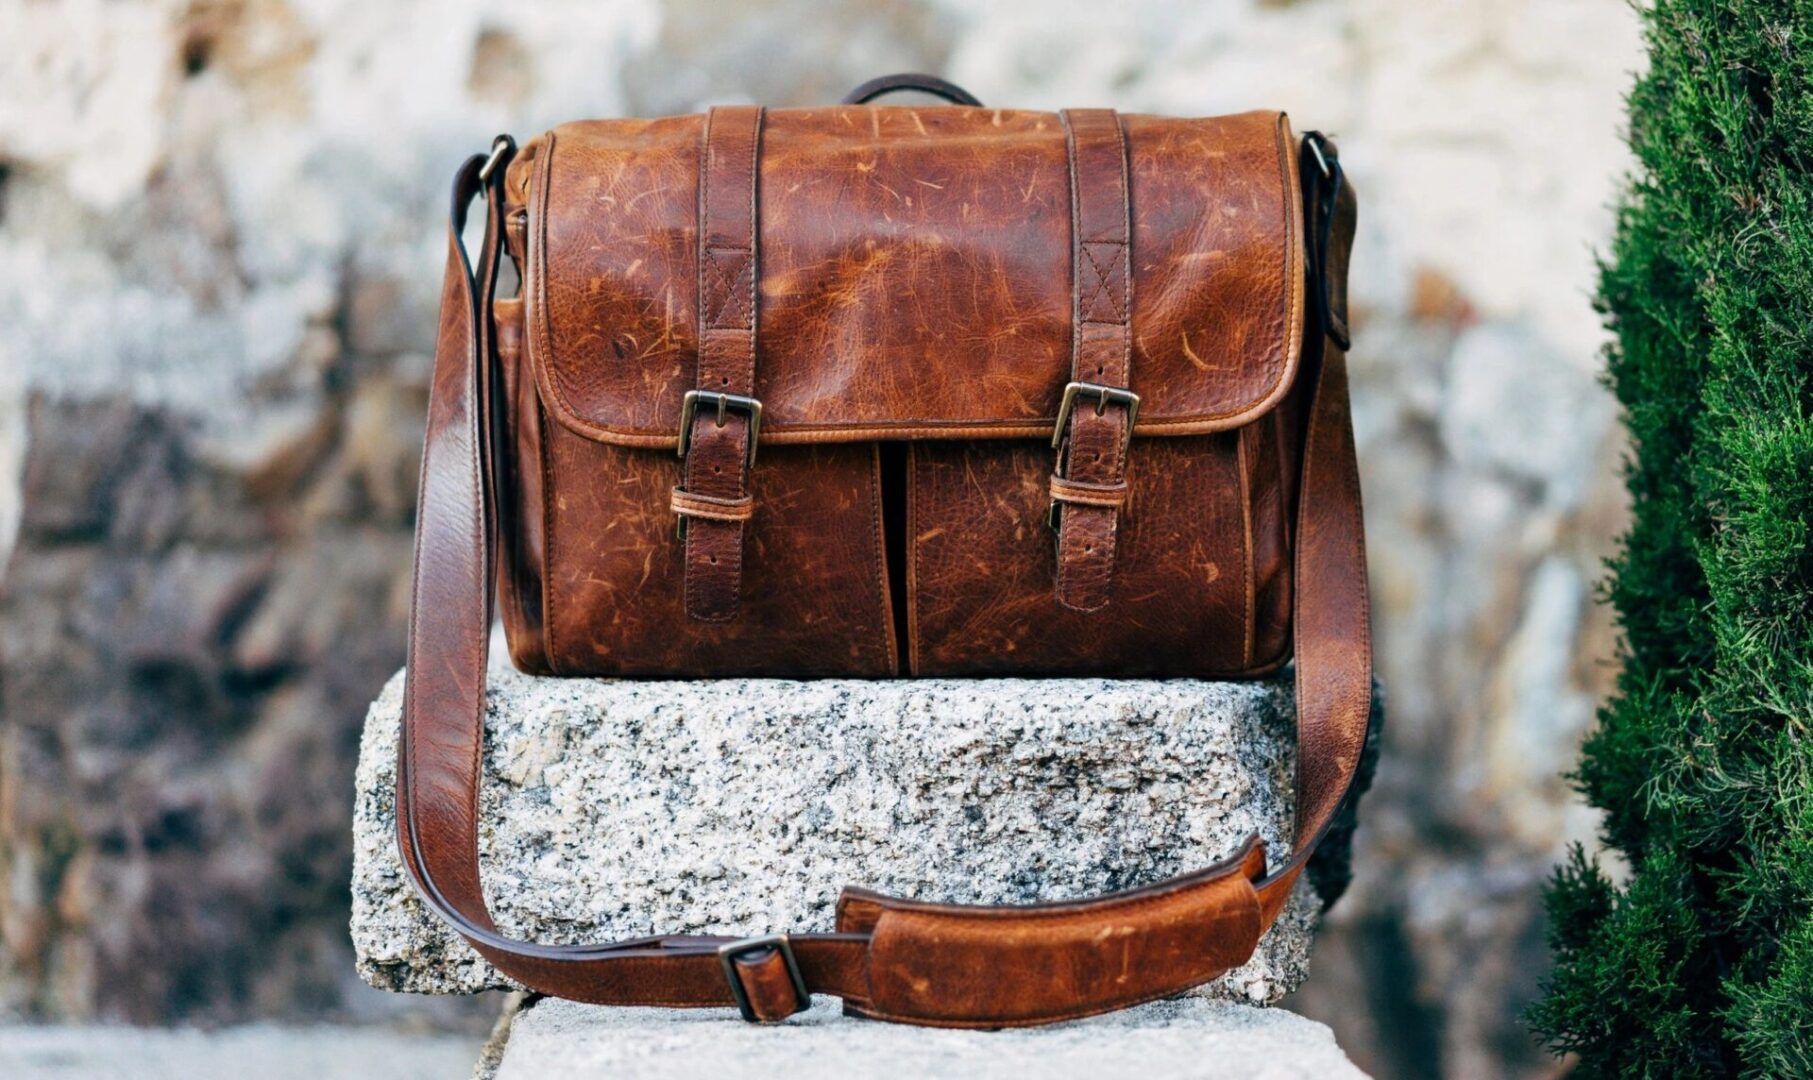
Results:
<point x="727" y="956"/>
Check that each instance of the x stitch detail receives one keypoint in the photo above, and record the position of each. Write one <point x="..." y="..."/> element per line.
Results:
<point x="729" y="284"/>
<point x="1104" y="281"/>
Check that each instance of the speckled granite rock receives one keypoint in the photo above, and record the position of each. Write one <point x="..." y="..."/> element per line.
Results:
<point x="620" y="809"/>
<point x="1178" y="1040"/>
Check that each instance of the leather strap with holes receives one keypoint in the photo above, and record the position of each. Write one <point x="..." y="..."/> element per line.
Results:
<point x="721" y="442"/>
<point x="892" y="959"/>
<point x="1092" y="461"/>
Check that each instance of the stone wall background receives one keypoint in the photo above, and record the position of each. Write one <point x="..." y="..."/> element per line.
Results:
<point x="219" y="259"/>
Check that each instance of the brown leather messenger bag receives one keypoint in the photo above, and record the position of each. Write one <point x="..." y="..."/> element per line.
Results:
<point x="1034" y="394"/>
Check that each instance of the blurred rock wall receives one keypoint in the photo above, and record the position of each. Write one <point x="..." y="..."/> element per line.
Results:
<point x="219" y="257"/>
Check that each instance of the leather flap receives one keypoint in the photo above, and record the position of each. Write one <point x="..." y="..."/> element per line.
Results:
<point x="915" y="272"/>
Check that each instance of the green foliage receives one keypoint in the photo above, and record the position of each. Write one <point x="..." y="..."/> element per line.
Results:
<point x="1627" y="966"/>
<point x="1702" y="963"/>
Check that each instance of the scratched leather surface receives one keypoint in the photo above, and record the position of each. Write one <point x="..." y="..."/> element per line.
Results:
<point x="1187" y="595"/>
<point x="813" y="598"/>
<point x="915" y="276"/>
<point x="914" y="279"/>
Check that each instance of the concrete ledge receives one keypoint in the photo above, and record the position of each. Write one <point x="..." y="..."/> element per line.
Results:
<point x="1177" y="1040"/>
<point x="621" y="809"/>
<point x="264" y="1050"/>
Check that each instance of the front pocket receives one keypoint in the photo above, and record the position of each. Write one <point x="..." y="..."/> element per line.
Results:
<point x="814" y="598"/>
<point x="982" y="563"/>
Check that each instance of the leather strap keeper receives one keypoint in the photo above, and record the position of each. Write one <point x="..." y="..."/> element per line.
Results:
<point x="1083" y="493"/>
<point x="686" y="504"/>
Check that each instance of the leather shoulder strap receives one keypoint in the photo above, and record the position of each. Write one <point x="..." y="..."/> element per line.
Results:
<point x="937" y="964"/>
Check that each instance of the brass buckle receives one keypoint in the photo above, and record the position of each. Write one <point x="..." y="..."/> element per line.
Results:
<point x="1104" y="396"/>
<point x="689" y="405"/>
<point x="728" y="953"/>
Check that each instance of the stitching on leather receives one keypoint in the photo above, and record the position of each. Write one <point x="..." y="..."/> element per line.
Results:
<point x="755" y="179"/>
<point x="1063" y="571"/>
<point x="703" y="214"/>
<point x="1102" y="279"/>
<point x="547" y="543"/>
<point x="914" y="660"/>
<point x="688" y="577"/>
<point x="545" y="333"/>
<point x="548" y="589"/>
<point x="890" y="647"/>
<point x="729" y="281"/>
<point x="1290" y="194"/>
<point x="1101" y="283"/>
<point x="1356" y="519"/>
<point x="1076" y="232"/>
<point x="1126" y="252"/>
<point x="1246" y="519"/>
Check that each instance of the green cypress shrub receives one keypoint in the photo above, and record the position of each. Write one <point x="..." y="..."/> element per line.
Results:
<point x="1699" y="962"/>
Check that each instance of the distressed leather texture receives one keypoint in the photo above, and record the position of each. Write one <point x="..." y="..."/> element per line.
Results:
<point x="916" y="271"/>
<point x="933" y="276"/>
<point x="878" y="310"/>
